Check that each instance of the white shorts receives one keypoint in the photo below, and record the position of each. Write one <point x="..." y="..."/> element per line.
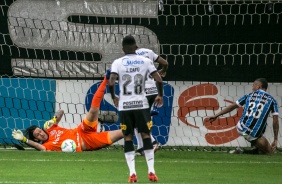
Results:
<point x="242" y="133"/>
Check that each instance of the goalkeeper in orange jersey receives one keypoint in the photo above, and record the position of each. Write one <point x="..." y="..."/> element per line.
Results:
<point x="85" y="134"/>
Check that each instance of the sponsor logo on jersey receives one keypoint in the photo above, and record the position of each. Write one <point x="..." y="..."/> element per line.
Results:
<point x="127" y="62"/>
<point x="52" y="132"/>
<point x="132" y="104"/>
<point x="77" y="140"/>
<point x="152" y="90"/>
<point x="142" y="53"/>
<point x="131" y="70"/>
<point x="57" y="136"/>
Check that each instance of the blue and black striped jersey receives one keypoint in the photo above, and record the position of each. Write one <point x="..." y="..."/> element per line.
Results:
<point x="258" y="105"/>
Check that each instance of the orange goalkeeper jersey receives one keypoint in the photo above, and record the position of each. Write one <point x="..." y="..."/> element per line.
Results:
<point x="58" y="134"/>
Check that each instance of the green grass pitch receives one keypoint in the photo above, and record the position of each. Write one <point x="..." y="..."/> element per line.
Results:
<point x="109" y="166"/>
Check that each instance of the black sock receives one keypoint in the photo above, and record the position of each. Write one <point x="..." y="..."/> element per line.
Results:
<point x="128" y="146"/>
<point x="147" y="144"/>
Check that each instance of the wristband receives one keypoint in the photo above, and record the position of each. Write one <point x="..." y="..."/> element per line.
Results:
<point x="54" y="119"/>
<point x="24" y="140"/>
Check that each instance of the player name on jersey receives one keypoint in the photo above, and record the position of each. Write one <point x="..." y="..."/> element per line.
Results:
<point x="133" y="104"/>
<point x="129" y="70"/>
<point x="264" y="97"/>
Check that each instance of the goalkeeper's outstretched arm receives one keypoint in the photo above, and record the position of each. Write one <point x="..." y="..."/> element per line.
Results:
<point x="59" y="114"/>
<point x="36" y="145"/>
<point x="55" y="120"/>
<point x="18" y="135"/>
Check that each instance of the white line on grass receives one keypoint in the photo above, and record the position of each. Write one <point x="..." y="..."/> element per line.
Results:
<point x="109" y="160"/>
<point x="50" y="182"/>
<point x="24" y="182"/>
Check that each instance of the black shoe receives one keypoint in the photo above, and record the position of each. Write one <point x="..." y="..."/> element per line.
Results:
<point x="237" y="151"/>
<point x="139" y="152"/>
<point x="253" y="151"/>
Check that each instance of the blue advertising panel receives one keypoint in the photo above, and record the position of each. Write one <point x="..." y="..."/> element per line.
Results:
<point x="161" y="121"/>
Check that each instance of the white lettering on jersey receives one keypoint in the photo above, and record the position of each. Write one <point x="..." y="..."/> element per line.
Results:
<point x="57" y="136"/>
<point x="77" y="140"/>
<point x="133" y="104"/>
<point x="129" y="70"/>
<point x="132" y="80"/>
<point x="151" y="90"/>
<point x="127" y="62"/>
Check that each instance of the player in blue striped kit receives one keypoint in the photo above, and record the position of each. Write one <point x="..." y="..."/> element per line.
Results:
<point x="252" y="124"/>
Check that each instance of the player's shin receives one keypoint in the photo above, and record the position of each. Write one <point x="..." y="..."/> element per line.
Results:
<point x="98" y="97"/>
<point x="130" y="156"/>
<point x="149" y="154"/>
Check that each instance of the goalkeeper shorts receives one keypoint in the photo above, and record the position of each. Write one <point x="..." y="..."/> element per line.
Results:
<point x="91" y="138"/>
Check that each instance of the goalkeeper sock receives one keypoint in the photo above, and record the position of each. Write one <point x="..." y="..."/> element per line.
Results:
<point x="98" y="96"/>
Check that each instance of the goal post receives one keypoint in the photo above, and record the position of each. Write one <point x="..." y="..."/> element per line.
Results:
<point x="180" y="122"/>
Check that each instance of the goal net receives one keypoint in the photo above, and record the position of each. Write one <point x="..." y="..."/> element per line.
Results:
<point x="54" y="53"/>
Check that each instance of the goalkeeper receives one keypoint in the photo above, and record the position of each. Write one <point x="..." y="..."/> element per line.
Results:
<point x="85" y="135"/>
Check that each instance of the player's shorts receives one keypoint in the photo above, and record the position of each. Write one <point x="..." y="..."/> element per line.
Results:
<point x="139" y="119"/>
<point x="244" y="134"/>
<point x="151" y="99"/>
<point x="91" y="138"/>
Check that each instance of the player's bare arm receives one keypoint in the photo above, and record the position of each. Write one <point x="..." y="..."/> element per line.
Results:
<point x="59" y="114"/>
<point x="164" y="64"/>
<point x="36" y="145"/>
<point x="223" y="111"/>
<point x="275" y="132"/>
<point x="18" y="135"/>
<point x="113" y="78"/>
<point x="159" y="84"/>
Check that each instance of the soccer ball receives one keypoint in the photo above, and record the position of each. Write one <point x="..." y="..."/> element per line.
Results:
<point x="68" y="146"/>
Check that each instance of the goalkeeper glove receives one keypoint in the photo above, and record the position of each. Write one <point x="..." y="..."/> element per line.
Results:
<point x="18" y="135"/>
<point x="49" y="123"/>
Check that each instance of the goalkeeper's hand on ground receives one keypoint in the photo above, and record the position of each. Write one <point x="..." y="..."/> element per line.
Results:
<point x="49" y="123"/>
<point x="18" y="135"/>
